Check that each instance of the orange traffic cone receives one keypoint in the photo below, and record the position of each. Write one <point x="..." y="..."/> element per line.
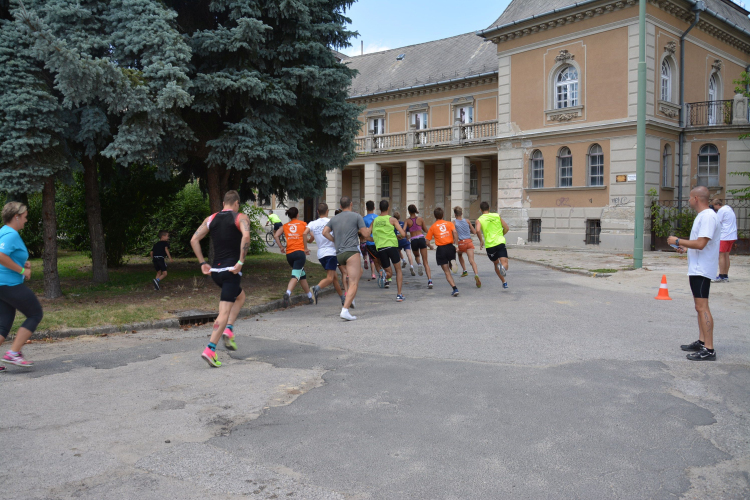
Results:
<point x="663" y="291"/>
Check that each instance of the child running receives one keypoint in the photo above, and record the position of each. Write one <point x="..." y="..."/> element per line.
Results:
<point x="415" y="227"/>
<point x="159" y="254"/>
<point x="445" y="236"/>
<point x="326" y="253"/>
<point x="491" y="229"/>
<point x="295" y="232"/>
<point x="370" y="249"/>
<point x="404" y="245"/>
<point x="465" y="245"/>
<point x="384" y="228"/>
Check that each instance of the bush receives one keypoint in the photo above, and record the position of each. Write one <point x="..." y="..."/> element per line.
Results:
<point x="257" y="231"/>
<point x="33" y="232"/>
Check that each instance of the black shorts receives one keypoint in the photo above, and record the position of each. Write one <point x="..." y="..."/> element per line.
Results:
<point x="160" y="264"/>
<point x="497" y="252"/>
<point x="417" y="244"/>
<point x="372" y="251"/>
<point x="445" y="254"/>
<point x="388" y="256"/>
<point x="297" y="260"/>
<point x="700" y="286"/>
<point x="276" y="226"/>
<point x="229" y="283"/>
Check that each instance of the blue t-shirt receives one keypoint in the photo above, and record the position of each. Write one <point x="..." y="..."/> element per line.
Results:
<point x="368" y="220"/>
<point x="12" y="245"/>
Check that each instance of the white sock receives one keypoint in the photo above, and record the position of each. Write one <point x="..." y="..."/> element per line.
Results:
<point x="288" y="292"/>
<point x="309" y="294"/>
<point x="344" y="310"/>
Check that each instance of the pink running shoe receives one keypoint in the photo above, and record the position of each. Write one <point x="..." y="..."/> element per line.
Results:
<point x="211" y="358"/>
<point x="17" y="359"/>
<point x="229" y="342"/>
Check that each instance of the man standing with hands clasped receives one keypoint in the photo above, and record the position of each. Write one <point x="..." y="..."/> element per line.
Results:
<point x="703" y="260"/>
<point x="728" y="223"/>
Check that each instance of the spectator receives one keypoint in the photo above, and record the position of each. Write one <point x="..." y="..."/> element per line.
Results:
<point x="728" y="223"/>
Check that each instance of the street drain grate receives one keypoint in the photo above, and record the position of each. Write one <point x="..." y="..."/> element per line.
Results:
<point x="198" y="319"/>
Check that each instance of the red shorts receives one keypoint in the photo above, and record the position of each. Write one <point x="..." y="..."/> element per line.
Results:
<point x="464" y="245"/>
<point x="725" y="246"/>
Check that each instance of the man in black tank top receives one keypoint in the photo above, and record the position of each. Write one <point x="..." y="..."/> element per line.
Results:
<point x="230" y="234"/>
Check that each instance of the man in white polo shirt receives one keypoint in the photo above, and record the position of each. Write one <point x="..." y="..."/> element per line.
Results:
<point x="728" y="223"/>
<point x="326" y="253"/>
<point x="703" y="261"/>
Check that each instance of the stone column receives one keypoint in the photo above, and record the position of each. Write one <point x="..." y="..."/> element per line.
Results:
<point x="740" y="110"/>
<point x="439" y="187"/>
<point x="397" y="201"/>
<point x="460" y="172"/>
<point x="334" y="187"/>
<point x="485" y="191"/>
<point x="356" y="190"/>
<point x="414" y="184"/>
<point x="510" y="161"/>
<point x="372" y="182"/>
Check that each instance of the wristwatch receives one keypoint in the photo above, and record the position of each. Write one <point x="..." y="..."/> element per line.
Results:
<point x="201" y="264"/>
<point x="677" y="242"/>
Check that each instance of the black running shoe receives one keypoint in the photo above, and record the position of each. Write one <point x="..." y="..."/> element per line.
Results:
<point x="702" y="355"/>
<point x="156" y="284"/>
<point x="316" y="291"/>
<point x="286" y="300"/>
<point x="695" y="346"/>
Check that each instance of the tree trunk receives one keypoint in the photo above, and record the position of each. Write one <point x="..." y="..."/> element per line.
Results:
<point x="215" y="196"/>
<point x="94" y="213"/>
<point x="52" y="289"/>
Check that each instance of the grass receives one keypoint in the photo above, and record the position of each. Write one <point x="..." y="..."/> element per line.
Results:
<point x="605" y="271"/>
<point x="129" y="296"/>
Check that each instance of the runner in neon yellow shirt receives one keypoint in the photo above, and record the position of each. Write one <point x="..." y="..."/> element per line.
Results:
<point x="384" y="229"/>
<point x="491" y="230"/>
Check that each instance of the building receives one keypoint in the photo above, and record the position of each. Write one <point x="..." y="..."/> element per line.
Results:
<point x="537" y="115"/>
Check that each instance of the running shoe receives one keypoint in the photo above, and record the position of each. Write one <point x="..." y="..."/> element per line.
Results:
<point x="702" y="355"/>
<point x="381" y="279"/>
<point x="316" y="292"/>
<point x="346" y="315"/>
<point x="310" y="300"/>
<point x="503" y="271"/>
<point x="403" y="264"/>
<point x="454" y="293"/>
<point x="505" y="285"/>
<point x="366" y="264"/>
<point x="17" y="359"/>
<point x="717" y="279"/>
<point x="464" y="274"/>
<point x="695" y="346"/>
<point x="387" y="283"/>
<point x="429" y="283"/>
<point x="2" y="369"/>
<point x="211" y="358"/>
<point x="399" y="298"/>
<point x="286" y="300"/>
<point x="412" y="271"/>
<point x="419" y="269"/>
<point x="156" y="284"/>
<point x="479" y="283"/>
<point x="229" y="342"/>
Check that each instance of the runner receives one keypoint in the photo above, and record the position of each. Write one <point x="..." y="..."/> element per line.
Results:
<point x="159" y="253"/>
<point x="370" y="245"/>
<point x="445" y="236"/>
<point x="465" y="245"/>
<point x="404" y="245"/>
<point x="491" y="229"/>
<point x="344" y="230"/>
<point x="296" y="253"/>
<point x="415" y="227"/>
<point x="384" y="228"/>
<point x="230" y="234"/>
<point x="14" y="295"/>
<point x="326" y="253"/>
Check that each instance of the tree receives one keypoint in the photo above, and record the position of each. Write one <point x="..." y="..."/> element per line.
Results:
<point x="118" y="69"/>
<point x="269" y="107"/>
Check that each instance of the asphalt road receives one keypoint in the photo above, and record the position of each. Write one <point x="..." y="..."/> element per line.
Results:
<point x="562" y="386"/>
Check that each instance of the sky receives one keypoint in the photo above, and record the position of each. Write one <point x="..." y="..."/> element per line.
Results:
<point x="387" y="24"/>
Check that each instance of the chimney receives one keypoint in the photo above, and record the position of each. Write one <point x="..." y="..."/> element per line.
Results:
<point x="362" y="48"/>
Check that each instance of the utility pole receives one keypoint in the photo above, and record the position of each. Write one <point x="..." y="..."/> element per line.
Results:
<point x="640" y="154"/>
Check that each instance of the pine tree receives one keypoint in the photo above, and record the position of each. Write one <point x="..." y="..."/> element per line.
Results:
<point x="269" y="107"/>
<point x="118" y="71"/>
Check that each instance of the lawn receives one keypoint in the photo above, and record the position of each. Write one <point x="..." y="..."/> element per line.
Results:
<point x="129" y="296"/>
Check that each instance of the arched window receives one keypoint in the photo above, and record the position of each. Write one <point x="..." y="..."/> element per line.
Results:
<point x="564" y="168"/>
<point x="666" y="81"/>
<point x="713" y="98"/>
<point x="566" y="88"/>
<point x="708" y="166"/>
<point x="666" y="167"/>
<point x="596" y="166"/>
<point x="537" y="169"/>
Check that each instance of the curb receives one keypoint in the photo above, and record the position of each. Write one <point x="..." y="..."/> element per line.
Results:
<point x="167" y="323"/>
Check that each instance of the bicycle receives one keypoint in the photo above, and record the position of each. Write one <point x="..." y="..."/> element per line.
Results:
<point x="271" y="242"/>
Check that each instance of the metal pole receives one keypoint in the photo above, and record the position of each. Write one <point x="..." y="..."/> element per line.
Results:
<point x="640" y="155"/>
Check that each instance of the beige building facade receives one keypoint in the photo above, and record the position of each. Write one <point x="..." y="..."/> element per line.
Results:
<point x="537" y="116"/>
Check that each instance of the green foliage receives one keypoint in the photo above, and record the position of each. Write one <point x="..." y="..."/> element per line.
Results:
<point x="670" y="221"/>
<point x="32" y="234"/>
<point x="742" y="86"/>
<point x="257" y="231"/>
<point x="744" y="193"/>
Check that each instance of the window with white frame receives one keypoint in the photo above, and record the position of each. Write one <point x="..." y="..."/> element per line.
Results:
<point x="465" y="114"/>
<point x="596" y="165"/>
<point x="564" y="168"/>
<point x="473" y="181"/>
<point x="708" y="166"/>
<point x="566" y="88"/>
<point x="419" y="120"/>
<point x="666" y="167"/>
<point x="385" y="184"/>
<point x="666" y="81"/>
<point x="377" y="126"/>
<point x="537" y="169"/>
<point x="713" y="96"/>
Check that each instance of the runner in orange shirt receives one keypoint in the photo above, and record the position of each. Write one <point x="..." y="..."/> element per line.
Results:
<point x="296" y="232"/>
<point x="446" y="237"/>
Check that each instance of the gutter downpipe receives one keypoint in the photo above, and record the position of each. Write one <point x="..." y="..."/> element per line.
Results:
<point x="640" y="155"/>
<point x="697" y="8"/>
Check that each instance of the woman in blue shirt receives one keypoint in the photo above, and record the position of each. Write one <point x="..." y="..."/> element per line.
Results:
<point x="14" y="295"/>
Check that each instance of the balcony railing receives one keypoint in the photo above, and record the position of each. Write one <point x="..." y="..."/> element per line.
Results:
<point x="709" y="113"/>
<point x="459" y="133"/>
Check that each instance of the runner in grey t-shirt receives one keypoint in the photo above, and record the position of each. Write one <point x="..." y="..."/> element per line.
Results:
<point x="346" y="228"/>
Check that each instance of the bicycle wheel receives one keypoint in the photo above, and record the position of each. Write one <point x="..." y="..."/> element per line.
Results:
<point x="282" y="239"/>
<point x="269" y="239"/>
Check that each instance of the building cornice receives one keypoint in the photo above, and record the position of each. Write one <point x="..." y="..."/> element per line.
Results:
<point x="427" y="89"/>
